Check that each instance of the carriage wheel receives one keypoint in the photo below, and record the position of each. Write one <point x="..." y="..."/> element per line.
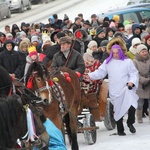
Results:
<point x="90" y="135"/>
<point x="109" y="121"/>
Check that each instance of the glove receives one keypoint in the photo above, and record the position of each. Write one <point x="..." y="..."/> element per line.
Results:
<point x="130" y="87"/>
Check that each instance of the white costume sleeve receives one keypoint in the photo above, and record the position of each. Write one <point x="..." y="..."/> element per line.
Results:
<point x="133" y="74"/>
<point x="99" y="73"/>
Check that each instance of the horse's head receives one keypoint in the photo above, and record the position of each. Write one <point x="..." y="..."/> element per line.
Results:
<point x="37" y="79"/>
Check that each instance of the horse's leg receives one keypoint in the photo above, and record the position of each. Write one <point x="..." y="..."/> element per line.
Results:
<point x="73" y="128"/>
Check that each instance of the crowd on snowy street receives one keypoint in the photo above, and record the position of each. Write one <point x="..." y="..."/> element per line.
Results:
<point x="121" y="50"/>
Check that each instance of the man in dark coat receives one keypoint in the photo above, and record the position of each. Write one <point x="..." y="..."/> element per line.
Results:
<point x="58" y="22"/>
<point x="11" y="59"/>
<point x="136" y="30"/>
<point x="68" y="57"/>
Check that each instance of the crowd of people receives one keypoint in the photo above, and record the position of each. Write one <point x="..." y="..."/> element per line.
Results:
<point x="122" y="48"/>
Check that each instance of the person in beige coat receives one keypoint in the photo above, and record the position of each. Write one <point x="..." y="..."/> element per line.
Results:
<point x="142" y="63"/>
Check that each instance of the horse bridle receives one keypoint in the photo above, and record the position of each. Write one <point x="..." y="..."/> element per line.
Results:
<point x="41" y="89"/>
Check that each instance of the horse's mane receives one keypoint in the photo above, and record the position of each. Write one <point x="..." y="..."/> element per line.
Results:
<point x="5" y="82"/>
<point x="39" y="67"/>
<point x="9" y="117"/>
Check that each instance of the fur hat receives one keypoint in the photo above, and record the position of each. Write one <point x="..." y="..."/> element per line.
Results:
<point x="32" y="51"/>
<point x="65" y="39"/>
<point x="118" y="41"/>
<point x="92" y="43"/>
<point x="136" y="41"/>
<point x="140" y="48"/>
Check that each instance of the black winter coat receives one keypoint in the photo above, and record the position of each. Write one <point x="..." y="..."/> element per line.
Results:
<point x="75" y="62"/>
<point x="50" y="52"/>
<point x="11" y="61"/>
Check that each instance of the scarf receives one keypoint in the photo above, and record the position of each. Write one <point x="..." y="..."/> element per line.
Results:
<point x="89" y="51"/>
<point x="66" y="53"/>
<point x="133" y="50"/>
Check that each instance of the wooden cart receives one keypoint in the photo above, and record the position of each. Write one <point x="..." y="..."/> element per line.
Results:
<point x="95" y="107"/>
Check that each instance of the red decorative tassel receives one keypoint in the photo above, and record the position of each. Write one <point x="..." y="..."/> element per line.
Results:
<point x="68" y="79"/>
<point x="30" y="83"/>
<point x="51" y="83"/>
<point x="78" y="74"/>
<point x="66" y="74"/>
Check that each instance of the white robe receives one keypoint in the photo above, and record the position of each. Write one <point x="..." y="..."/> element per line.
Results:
<point x="119" y="74"/>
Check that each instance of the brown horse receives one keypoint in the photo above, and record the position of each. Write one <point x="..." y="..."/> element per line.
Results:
<point x="13" y="120"/>
<point x="61" y="88"/>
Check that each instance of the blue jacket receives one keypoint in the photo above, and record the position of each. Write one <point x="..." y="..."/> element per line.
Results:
<point x="56" y="137"/>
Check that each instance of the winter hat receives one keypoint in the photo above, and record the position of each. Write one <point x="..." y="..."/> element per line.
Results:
<point x="136" y="41"/>
<point x="106" y="19"/>
<point x="51" y="18"/>
<point x="147" y="37"/>
<point x="116" y="18"/>
<point x="66" y="17"/>
<point x="143" y="26"/>
<point x="60" y="34"/>
<point x="134" y="26"/>
<point x="118" y="33"/>
<point x="34" y="39"/>
<point x="140" y="48"/>
<point x="46" y="38"/>
<point x="104" y="43"/>
<point x="144" y="34"/>
<point x="76" y="18"/>
<point x="126" y="22"/>
<point x="99" y="30"/>
<point x="22" y="33"/>
<point x="32" y="51"/>
<point x="128" y="26"/>
<point x="105" y="24"/>
<point x="8" y="35"/>
<point x="120" y="25"/>
<point x="65" y="39"/>
<point x="92" y="43"/>
<point x="87" y="22"/>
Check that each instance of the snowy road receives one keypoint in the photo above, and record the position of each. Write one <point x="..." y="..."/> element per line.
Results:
<point x="138" y="141"/>
<point x="41" y="12"/>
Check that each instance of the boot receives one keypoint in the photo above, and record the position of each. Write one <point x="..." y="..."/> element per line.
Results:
<point x="131" y="128"/>
<point x="139" y="116"/>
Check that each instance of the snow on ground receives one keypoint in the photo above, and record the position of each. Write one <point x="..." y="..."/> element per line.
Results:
<point x="105" y="141"/>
